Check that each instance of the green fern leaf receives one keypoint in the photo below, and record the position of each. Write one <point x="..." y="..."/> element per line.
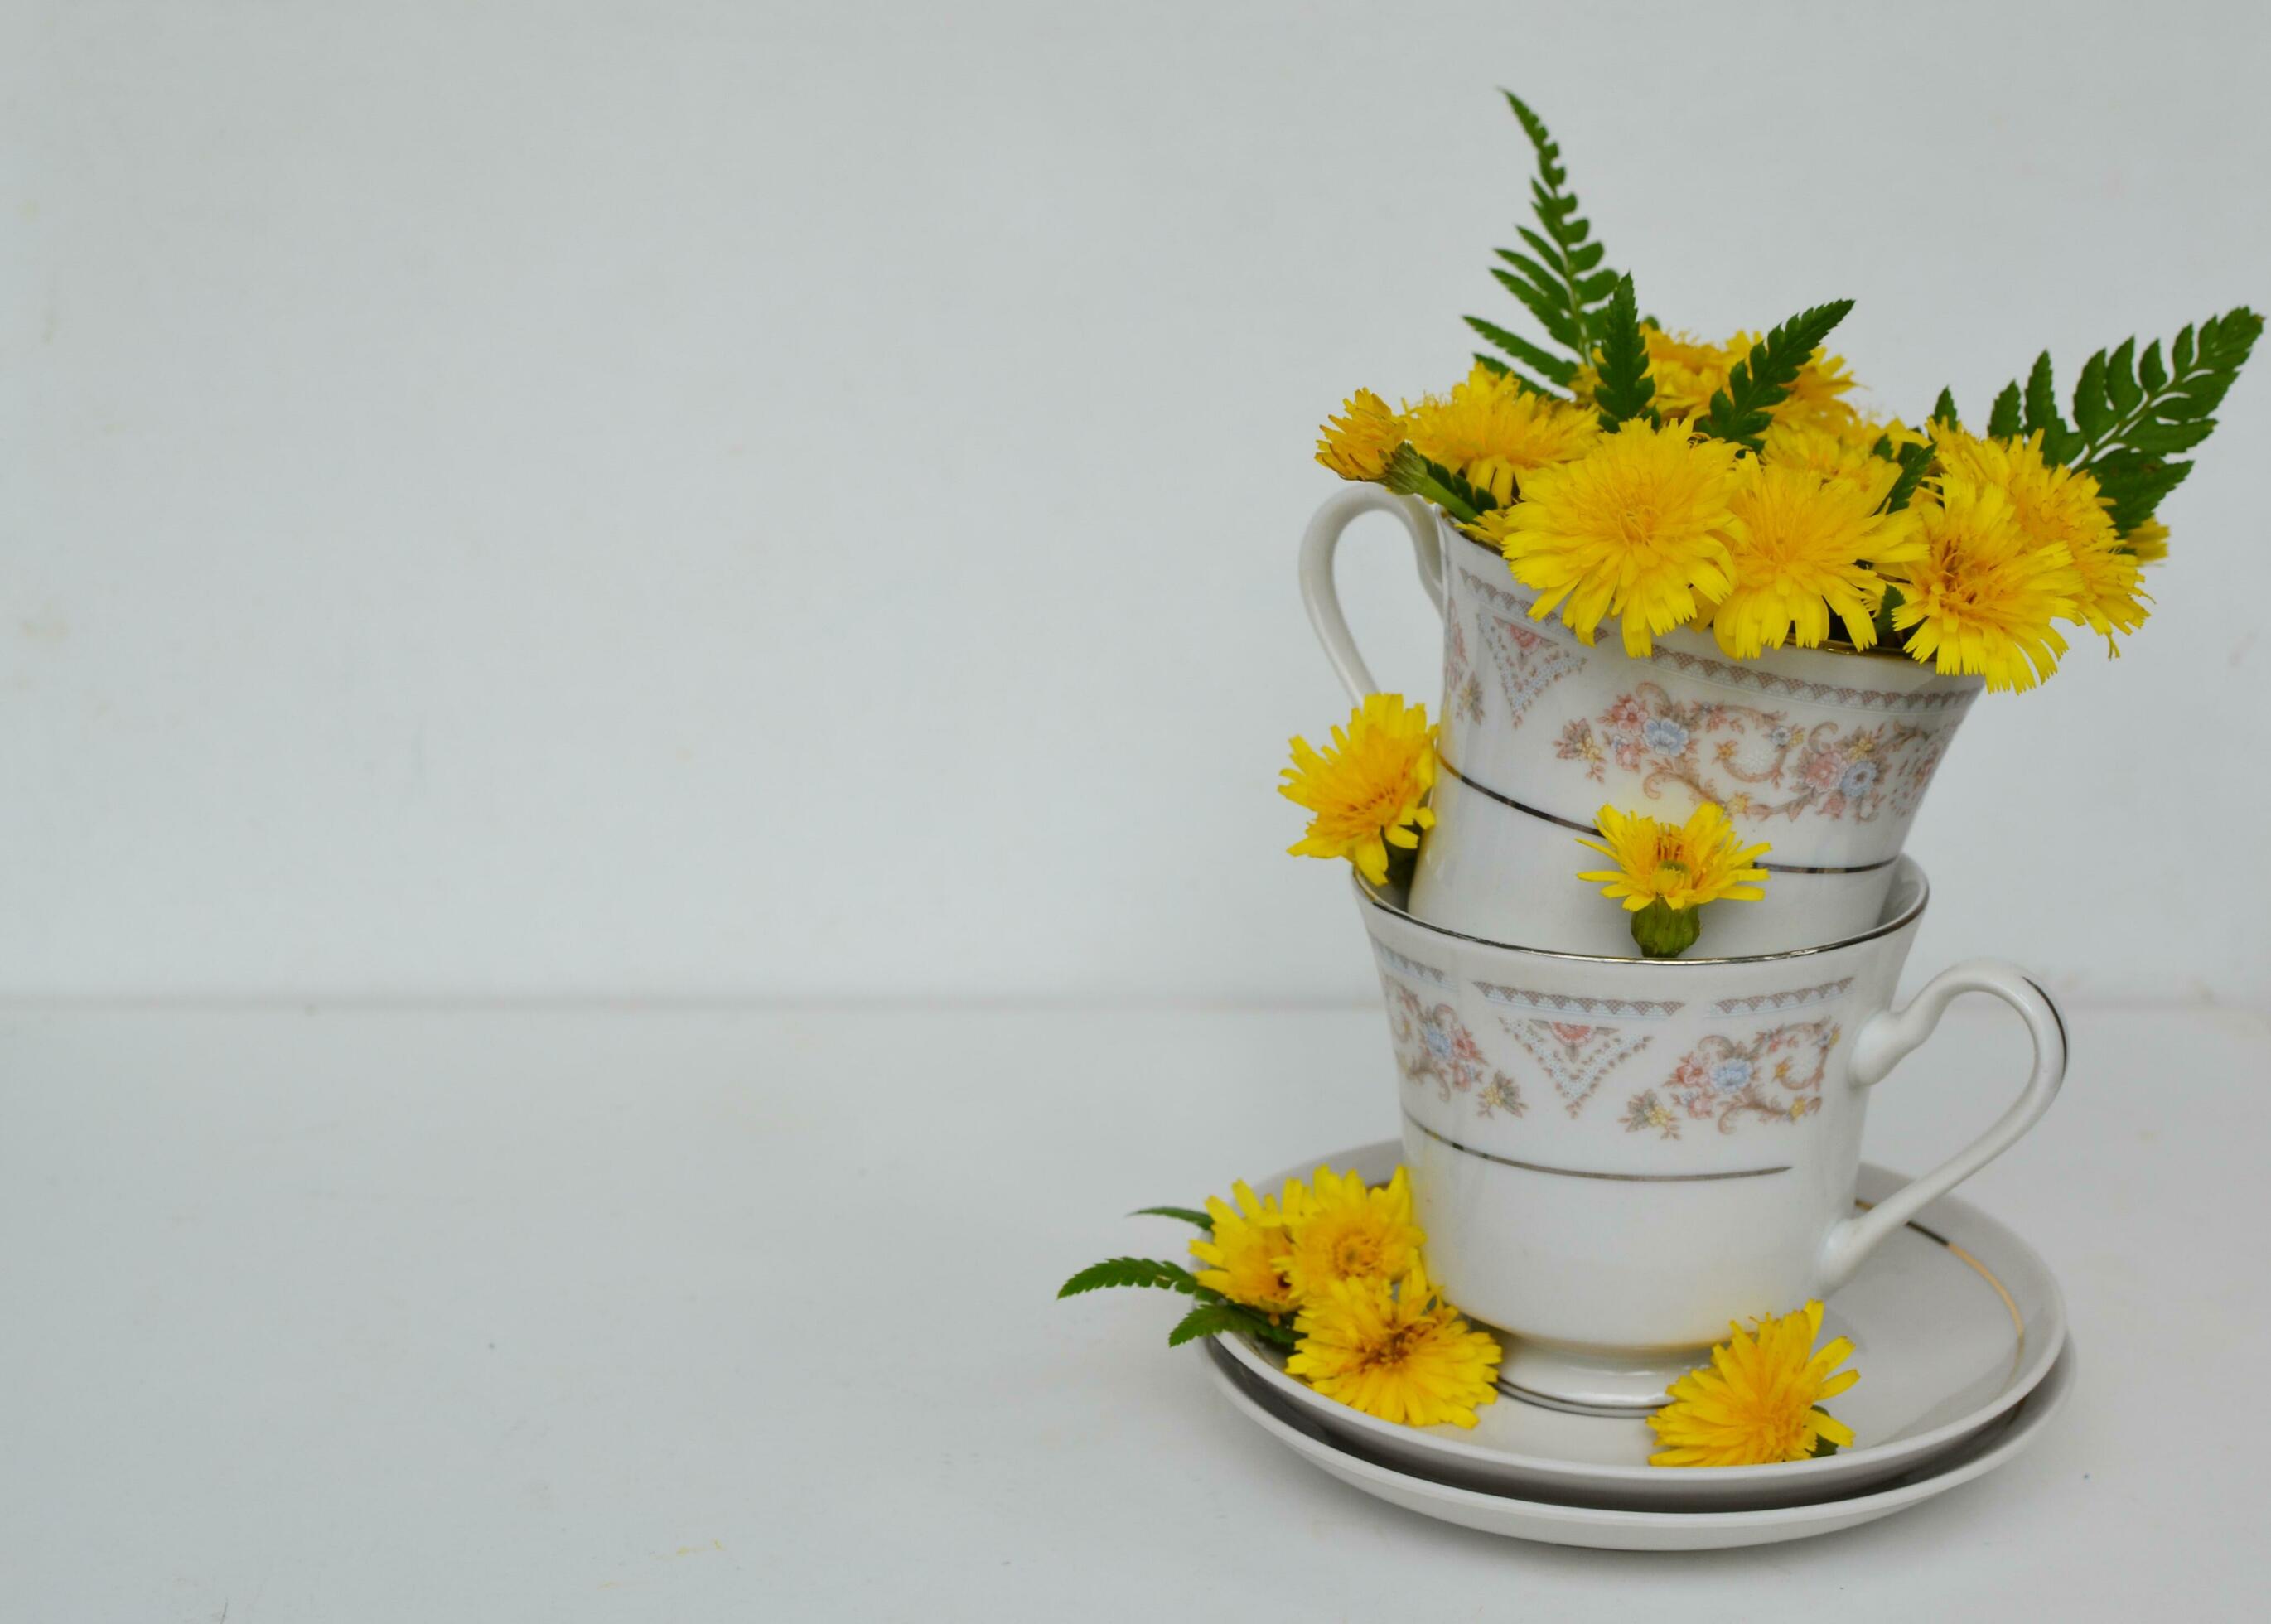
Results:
<point x="1543" y="361"/>
<point x="2093" y="405"/>
<point x="1188" y="1215"/>
<point x="2041" y="397"/>
<point x="1740" y="412"/>
<point x="1626" y="387"/>
<point x="2121" y="378"/>
<point x="1914" y="459"/>
<point x="1528" y="385"/>
<point x="2003" y="420"/>
<point x="1209" y="1319"/>
<point x="1561" y="281"/>
<point x="1131" y="1271"/>
<point x="2150" y="371"/>
<point x="1943" y="410"/>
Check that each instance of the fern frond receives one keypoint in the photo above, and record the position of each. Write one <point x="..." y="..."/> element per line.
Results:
<point x="1132" y="1271"/>
<point x="1740" y="412"/>
<point x="1626" y="387"/>
<point x="1188" y="1215"/>
<point x="1560" y="279"/>
<point x="2133" y="413"/>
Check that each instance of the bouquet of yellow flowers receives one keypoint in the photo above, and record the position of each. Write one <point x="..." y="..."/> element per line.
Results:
<point x="1634" y="474"/>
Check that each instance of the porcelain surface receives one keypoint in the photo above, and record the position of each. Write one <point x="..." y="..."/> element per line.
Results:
<point x="1616" y="1529"/>
<point x="1955" y="1321"/>
<point x="1614" y="1158"/>
<point x="1827" y="756"/>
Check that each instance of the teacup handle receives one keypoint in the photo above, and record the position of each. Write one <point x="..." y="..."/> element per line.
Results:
<point x="1323" y="598"/>
<point x="1889" y="1035"/>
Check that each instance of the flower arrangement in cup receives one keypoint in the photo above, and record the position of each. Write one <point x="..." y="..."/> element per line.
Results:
<point x="1649" y="480"/>
<point x="1331" y="1268"/>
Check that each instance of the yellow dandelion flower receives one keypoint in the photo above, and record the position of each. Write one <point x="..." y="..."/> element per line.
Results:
<point x="1829" y="454"/>
<point x="1397" y="1350"/>
<point x="1818" y="393"/>
<point x="1983" y="595"/>
<point x="1756" y="1402"/>
<point x="1637" y="527"/>
<point x="1682" y="866"/>
<point x="1367" y="790"/>
<point x="1491" y="431"/>
<point x="1358" y="443"/>
<point x="1801" y="549"/>
<point x="2061" y="506"/>
<point x="1247" y="1247"/>
<point x="1346" y="1232"/>
<point x="2148" y="543"/>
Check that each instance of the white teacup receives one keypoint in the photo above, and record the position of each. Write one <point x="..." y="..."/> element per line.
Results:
<point x="1825" y="754"/>
<point x="1613" y="1159"/>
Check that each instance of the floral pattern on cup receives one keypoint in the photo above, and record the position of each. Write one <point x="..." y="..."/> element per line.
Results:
<point x="1775" y="1077"/>
<point x="1463" y="690"/>
<point x="1434" y="1044"/>
<point x="1574" y="1058"/>
<point x="1528" y="662"/>
<point x="1754" y="762"/>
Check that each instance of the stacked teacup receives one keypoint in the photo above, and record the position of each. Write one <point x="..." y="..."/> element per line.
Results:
<point x="1614" y="1156"/>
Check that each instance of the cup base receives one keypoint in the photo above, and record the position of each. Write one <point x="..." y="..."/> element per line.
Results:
<point x="1594" y="1381"/>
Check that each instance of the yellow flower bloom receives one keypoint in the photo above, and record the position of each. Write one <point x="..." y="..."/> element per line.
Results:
<point x="2058" y="506"/>
<point x="2148" y="543"/>
<point x="1346" y="1232"/>
<point x="1398" y="1352"/>
<point x="1491" y="431"/>
<point x="1358" y="443"/>
<point x="1755" y="1403"/>
<point x="1829" y="454"/>
<point x="1983" y="595"/>
<point x="1680" y="866"/>
<point x="1817" y="394"/>
<point x="1801" y="548"/>
<point x="1637" y="527"/>
<point x="1368" y="789"/>
<point x="1249" y="1245"/>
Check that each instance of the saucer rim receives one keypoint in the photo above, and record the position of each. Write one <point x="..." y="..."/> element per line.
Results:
<point x="1732" y="1479"/>
<point x="2034" y="1414"/>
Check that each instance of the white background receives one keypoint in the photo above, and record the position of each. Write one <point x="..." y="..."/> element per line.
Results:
<point x="799" y="501"/>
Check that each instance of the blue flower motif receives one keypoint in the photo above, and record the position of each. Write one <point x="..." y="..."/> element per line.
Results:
<point x="1438" y="1041"/>
<point x="1664" y="737"/>
<point x="1780" y="737"/>
<point x="1729" y="1076"/>
<point x="1857" y="779"/>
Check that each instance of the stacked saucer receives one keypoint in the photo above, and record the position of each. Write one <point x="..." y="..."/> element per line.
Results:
<point x="1956" y="1320"/>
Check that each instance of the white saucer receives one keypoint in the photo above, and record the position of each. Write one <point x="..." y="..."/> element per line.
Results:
<point x="1954" y="1321"/>
<point x="1559" y="1524"/>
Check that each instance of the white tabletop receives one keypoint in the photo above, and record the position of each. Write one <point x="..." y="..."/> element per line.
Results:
<point x="671" y="1315"/>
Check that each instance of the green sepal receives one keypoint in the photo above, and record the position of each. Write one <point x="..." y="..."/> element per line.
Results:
<point x="1409" y="474"/>
<point x="1665" y="932"/>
